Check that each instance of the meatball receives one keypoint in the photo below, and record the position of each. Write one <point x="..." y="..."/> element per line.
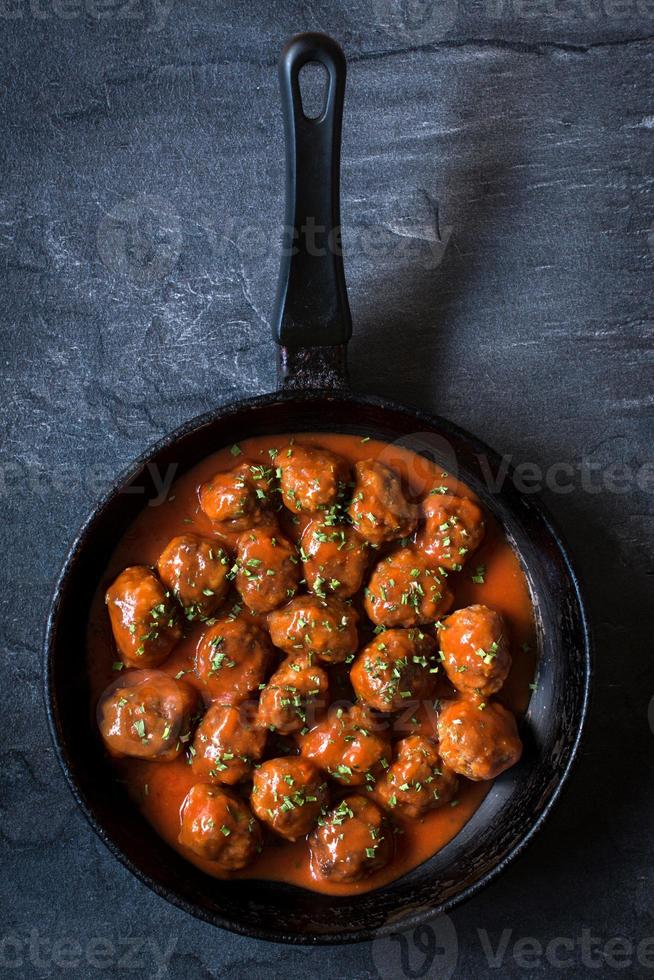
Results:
<point x="418" y="780"/>
<point x="475" y="650"/>
<point x="289" y="795"/>
<point x="354" y="840"/>
<point x="268" y="570"/>
<point x="311" y="479"/>
<point x="147" y="714"/>
<point x="403" y="591"/>
<point x="478" y="741"/>
<point x="239" y="499"/>
<point x="144" y="618"/>
<point x="350" y="745"/>
<point x="452" y="528"/>
<point x="326" y="628"/>
<point x="232" y="659"/>
<point x="379" y="510"/>
<point x="335" y="559"/>
<point x="219" y="827"/>
<point x="294" y="693"/>
<point x="227" y="743"/>
<point x="195" y="570"/>
<point x="397" y="667"/>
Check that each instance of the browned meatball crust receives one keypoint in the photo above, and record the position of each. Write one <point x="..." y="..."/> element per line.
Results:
<point x="475" y="650"/>
<point x="351" y="745"/>
<point x="354" y="840"/>
<point x="335" y="559"/>
<point x="196" y="571"/>
<point x="147" y="714"/>
<point x="232" y="659"/>
<point x="226" y="745"/>
<point x="326" y="628"/>
<point x="380" y="510"/>
<point x="417" y="781"/>
<point x="144" y="618"/>
<point x="452" y="529"/>
<point x="268" y="569"/>
<point x="397" y="667"/>
<point x="239" y="499"/>
<point x="293" y="696"/>
<point x="219" y="827"/>
<point x="288" y="795"/>
<point x="478" y="741"/>
<point x="311" y="479"/>
<point x="403" y="591"/>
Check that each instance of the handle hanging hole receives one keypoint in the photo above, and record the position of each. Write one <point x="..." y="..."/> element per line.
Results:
<point x="313" y="80"/>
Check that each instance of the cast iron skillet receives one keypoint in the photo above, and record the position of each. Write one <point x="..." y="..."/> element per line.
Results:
<point x="312" y="326"/>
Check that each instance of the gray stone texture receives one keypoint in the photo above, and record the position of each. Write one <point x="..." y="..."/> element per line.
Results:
<point x="498" y="202"/>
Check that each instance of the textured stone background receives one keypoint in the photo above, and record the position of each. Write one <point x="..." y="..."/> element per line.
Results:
<point x="498" y="201"/>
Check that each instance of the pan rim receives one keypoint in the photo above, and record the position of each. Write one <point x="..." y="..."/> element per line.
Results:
<point x="434" y="422"/>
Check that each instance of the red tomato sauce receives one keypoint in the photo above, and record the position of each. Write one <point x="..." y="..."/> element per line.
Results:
<point x="159" y="788"/>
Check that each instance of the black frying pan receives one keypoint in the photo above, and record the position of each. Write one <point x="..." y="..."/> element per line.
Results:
<point x="312" y="326"/>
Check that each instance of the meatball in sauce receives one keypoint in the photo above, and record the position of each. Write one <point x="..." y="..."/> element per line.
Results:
<point x="144" y="618"/>
<point x="227" y="744"/>
<point x="311" y="479"/>
<point x="475" y="649"/>
<point x="326" y="628"/>
<point x="146" y="714"/>
<point x="397" y="668"/>
<point x="479" y="741"/>
<point x="268" y="569"/>
<point x="295" y="693"/>
<point x="239" y="499"/>
<point x="196" y="571"/>
<point x="403" y="591"/>
<point x="380" y="510"/>
<point x="417" y="781"/>
<point x="288" y="795"/>
<point x="232" y="660"/>
<point x="350" y="745"/>
<point x="452" y="529"/>
<point x="354" y="840"/>
<point x="219" y="827"/>
<point x="335" y="559"/>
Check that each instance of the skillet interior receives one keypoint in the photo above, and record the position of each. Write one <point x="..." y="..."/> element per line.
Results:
<point x="511" y="812"/>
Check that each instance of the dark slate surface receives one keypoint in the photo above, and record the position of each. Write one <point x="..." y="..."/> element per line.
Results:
<point x="139" y="212"/>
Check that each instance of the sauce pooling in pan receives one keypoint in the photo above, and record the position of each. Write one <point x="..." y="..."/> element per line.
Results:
<point x="307" y="662"/>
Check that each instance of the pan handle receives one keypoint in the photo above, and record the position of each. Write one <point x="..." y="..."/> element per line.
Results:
<point x="311" y="321"/>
